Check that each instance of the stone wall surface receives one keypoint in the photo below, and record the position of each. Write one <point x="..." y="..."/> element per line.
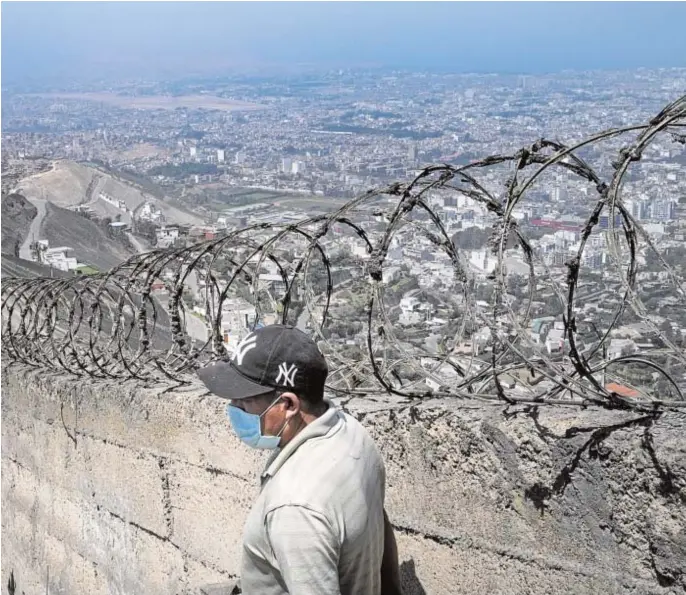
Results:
<point x="109" y="488"/>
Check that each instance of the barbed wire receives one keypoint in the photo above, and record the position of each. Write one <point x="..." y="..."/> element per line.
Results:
<point x="137" y="321"/>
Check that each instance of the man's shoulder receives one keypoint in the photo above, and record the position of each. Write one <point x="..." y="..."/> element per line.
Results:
<point x="349" y="439"/>
<point x="322" y="468"/>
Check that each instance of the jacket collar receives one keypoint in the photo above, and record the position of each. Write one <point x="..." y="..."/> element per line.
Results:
<point x="319" y="427"/>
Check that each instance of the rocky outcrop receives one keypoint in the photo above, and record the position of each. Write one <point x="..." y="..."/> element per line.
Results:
<point x="17" y="214"/>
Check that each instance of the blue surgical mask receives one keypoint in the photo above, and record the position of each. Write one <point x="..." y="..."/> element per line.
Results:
<point x="248" y="428"/>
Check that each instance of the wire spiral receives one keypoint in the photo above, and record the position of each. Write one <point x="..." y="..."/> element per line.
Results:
<point x="133" y="321"/>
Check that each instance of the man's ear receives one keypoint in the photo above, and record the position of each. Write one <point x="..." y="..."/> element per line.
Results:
<point x="292" y="401"/>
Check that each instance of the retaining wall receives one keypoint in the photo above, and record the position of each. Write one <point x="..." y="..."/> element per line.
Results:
<point x="108" y="488"/>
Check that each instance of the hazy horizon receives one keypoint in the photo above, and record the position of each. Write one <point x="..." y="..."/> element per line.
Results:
<point x="72" y="41"/>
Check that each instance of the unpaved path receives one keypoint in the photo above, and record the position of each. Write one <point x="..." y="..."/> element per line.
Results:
<point x="33" y="234"/>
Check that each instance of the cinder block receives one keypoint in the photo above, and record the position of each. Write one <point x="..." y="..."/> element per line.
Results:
<point x="209" y="513"/>
<point x="185" y="426"/>
<point x="199" y="577"/>
<point x="71" y="573"/>
<point x="430" y="567"/>
<point x="19" y="531"/>
<point x="49" y="522"/>
<point x="469" y="495"/>
<point x="43" y="448"/>
<point x="225" y="588"/>
<point x="19" y="487"/>
<point x="28" y="578"/>
<point x="124" y="482"/>
<point x="38" y="558"/>
<point x="138" y="562"/>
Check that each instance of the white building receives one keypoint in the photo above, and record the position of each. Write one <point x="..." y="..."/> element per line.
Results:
<point x="412" y="153"/>
<point x="482" y="262"/>
<point x="555" y="341"/>
<point x="220" y="155"/>
<point x="166" y="236"/>
<point x="148" y="211"/>
<point x="238" y="317"/>
<point x="619" y="347"/>
<point x="662" y="209"/>
<point x="390" y="274"/>
<point x="273" y="283"/>
<point x="59" y="259"/>
<point x="559" y="194"/>
<point x="119" y="226"/>
<point x="565" y="237"/>
<point x="409" y="303"/>
<point x="115" y="202"/>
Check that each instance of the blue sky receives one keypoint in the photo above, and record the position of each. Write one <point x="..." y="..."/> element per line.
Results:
<point x="76" y="39"/>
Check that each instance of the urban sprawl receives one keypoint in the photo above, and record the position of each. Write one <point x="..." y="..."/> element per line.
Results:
<point x="203" y="158"/>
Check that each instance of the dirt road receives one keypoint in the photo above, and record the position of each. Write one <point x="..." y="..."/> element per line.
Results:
<point x="34" y="230"/>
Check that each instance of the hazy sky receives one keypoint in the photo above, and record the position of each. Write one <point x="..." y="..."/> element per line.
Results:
<point x="76" y="39"/>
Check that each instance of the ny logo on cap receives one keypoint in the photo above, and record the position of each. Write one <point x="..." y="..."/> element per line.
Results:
<point x="248" y="343"/>
<point x="287" y="374"/>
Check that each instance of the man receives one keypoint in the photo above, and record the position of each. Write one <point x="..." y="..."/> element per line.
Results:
<point x="318" y="526"/>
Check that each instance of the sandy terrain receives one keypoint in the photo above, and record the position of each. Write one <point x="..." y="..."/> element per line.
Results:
<point x="69" y="184"/>
<point x="158" y="101"/>
<point x="65" y="184"/>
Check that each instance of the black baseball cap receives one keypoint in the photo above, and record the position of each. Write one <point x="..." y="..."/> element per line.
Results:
<point x="269" y="359"/>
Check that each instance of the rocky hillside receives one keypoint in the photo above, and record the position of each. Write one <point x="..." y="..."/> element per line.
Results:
<point x="17" y="214"/>
<point x="91" y="243"/>
<point x="68" y="184"/>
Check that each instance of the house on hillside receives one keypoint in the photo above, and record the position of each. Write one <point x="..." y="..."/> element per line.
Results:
<point x="150" y="212"/>
<point x="273" y="283"/>
<point x="620" y="347"/>
<point x="158" y="286"/>
<point x="60" y="259"/>
<point x="118" y="227"/>
<point x="237" y="319"/>
<point x="166" y="236"/>
<point x="540" y="327"/>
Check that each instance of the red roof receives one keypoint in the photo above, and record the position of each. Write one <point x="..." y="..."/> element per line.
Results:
<point x="624" y="391"/>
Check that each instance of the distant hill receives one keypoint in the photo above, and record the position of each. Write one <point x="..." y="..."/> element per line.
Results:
<point x="69" y="183"/>
<point x="17" y="214"/>
<point x="38" y="207"/>
<point x="90" y="242"/>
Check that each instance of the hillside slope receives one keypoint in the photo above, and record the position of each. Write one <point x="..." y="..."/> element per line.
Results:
<point x="90" y="242"/>
<point x="17" y="214"/>
<point x="69" y="183"/>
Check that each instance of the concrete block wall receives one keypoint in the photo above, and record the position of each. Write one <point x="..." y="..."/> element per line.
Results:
<point x="114" y="489"/>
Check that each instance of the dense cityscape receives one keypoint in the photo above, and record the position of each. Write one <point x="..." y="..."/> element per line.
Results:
<point x="170" y="163"/>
